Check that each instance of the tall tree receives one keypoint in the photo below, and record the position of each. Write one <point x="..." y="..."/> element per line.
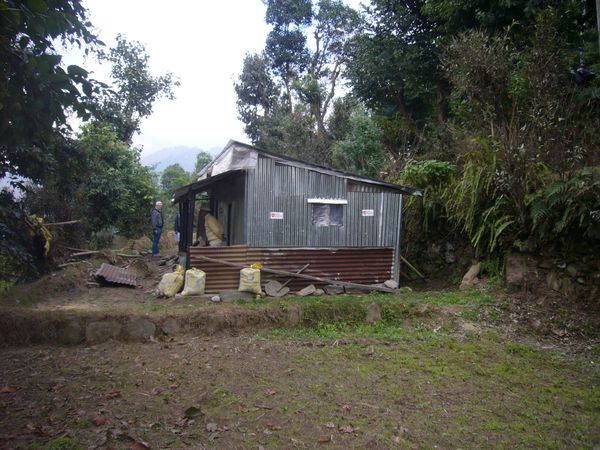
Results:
<point x="101" y="182"/>
<point x="361" y="150"/>
<point x="36" y="92"/>
<point x="395" y="69"/>
<point x="202" y="160"/>
<point x="257" y="95"/>
<point x="173" y="177"/>
<point x="304" y="59"/>
<point x="136" y="89"/>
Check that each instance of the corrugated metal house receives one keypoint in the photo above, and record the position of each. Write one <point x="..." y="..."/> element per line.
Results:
<point x="287" y="213"/>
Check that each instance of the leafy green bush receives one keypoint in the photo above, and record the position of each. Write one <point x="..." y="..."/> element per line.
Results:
<point x="16" y="254"/>
<point x="432" y="177"/>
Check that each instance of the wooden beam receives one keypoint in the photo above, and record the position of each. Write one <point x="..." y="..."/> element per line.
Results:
<point x="300" y="275"/>
<point x="290" y="279"/>
<point x="55" y="224"/>
<point x="413" y="268"/>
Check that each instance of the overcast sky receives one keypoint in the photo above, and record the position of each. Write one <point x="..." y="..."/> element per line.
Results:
<point x="203" y="43"/>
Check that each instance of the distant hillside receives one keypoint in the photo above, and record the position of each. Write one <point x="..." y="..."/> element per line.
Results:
<point x="184" y="156"/>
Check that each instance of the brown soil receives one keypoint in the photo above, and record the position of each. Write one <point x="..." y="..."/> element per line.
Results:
<point x="258" y="391"/>
<point x="75" y="288"/>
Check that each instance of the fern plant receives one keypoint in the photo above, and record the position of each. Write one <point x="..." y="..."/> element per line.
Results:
<point x="567" y="208"/>
<point x="475" y="205"/>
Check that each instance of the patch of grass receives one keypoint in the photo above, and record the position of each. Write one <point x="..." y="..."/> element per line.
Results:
<point x="519" y="349"/>
<point x="384" y="331"/>
<point x="401" y="316"/>
<point x="157" y="307"/>
<point x="254" y="303"/>
<point x="61" y="443"/>
<point x="5" y="287"/>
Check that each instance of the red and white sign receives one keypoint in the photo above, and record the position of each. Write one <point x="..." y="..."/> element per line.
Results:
<point x="367" y="213"/>
<point x="276" y="215"/>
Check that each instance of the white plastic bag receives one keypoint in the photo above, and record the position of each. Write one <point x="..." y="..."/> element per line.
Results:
<point x="195" y="280"/>
<point x="250" y="280"/>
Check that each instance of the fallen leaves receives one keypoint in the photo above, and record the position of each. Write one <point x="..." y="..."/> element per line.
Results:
<point x="100" y="420"/>
<point x="140" y="445"/>
<point x="272" y="426"/>
<point x="325" y="439"/>
<point x="270" y="392"/>
<point x="109" y="395"/>
<point x="38" y="431"/>
<point x="8" y="389"/>
<point x="264" y="407"/>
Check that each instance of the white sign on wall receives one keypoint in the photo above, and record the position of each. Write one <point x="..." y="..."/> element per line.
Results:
<point x="276" y="215"/>
<point x="367" y="212"/>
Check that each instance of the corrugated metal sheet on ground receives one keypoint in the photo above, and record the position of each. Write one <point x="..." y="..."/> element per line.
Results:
<point x="114" y="274"/>
<point x="356" y="265"/>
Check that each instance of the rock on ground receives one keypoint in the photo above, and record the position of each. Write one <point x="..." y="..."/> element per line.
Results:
<point x="391" y="284"/>
<point x="332" y="289"/>
<point x="170" y="327"/>
<point x="308" y="290"/>
<point x="516" y="272"/>
<point x="470" y="279"/>
<point x="373" y="313"/>
<point x="294" y="316"/>
<point x="553" y="281"/>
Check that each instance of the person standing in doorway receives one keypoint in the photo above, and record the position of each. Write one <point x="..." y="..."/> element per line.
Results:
<point x="157" y="226"/>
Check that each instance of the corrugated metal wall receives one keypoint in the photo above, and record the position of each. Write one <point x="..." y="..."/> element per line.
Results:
<point x="358" y="265"/>
<point x="277" y="187"/>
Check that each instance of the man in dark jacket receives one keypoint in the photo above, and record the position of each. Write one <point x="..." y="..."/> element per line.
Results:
<point x="157" y="226"/>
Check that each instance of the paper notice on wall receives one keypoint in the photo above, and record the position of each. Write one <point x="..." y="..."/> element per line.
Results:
<point x="276" y="215"/>
<point x="367" y="212"/>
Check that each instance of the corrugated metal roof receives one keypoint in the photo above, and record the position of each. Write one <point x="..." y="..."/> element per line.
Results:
<point x="283" y="159"/>
<point x="114" y="274"/>
<point x="199" y="185"/>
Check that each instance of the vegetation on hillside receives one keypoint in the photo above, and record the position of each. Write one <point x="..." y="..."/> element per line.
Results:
<point x="94" y="175"/>
<point x="489" y="107"/>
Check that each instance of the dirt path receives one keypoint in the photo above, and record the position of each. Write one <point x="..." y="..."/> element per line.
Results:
<point x="289" y="390"/>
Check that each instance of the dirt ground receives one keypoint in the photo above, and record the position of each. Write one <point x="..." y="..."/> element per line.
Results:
<point x="441" y="369"/>
<point x="292" y="390"/>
